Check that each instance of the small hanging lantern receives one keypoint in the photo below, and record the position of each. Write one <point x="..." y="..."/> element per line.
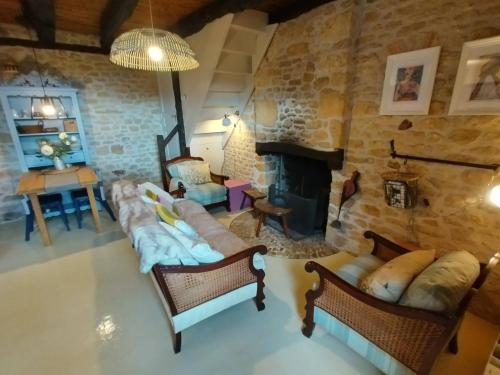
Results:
<point x="400" y="189"/>
<point x="46" y="107"/>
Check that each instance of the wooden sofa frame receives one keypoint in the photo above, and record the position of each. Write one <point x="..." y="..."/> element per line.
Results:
<point x="186" y="287"/>
<point x="414" y="337"/>
<point x="181" y="189"/>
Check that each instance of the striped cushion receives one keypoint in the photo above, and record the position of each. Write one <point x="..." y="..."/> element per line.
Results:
<point x="206" y="193"/>
<point x="354" y="271"/>
<point x="380" y="359"/>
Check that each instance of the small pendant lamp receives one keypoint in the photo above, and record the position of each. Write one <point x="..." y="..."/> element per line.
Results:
<point x="153" y="50"/>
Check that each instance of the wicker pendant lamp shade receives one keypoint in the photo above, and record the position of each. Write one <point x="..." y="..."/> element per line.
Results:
<point x="153" y="50"/>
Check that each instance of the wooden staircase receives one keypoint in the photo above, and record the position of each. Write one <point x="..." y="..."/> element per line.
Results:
<point x="230" y="50"/>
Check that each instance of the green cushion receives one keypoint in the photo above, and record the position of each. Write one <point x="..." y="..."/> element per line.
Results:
<point x="442" y="285"/>
<point x="206" y="193"/>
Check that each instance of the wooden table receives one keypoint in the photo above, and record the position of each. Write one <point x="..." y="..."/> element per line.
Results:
<point x="264" y="208"/>
<point x="253" y="195"/>
<point x="34" y="183"/>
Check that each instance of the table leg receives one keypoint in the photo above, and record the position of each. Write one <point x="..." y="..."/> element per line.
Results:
<point x="40" y="220"/>
<point x="285" y="226"/>
<point x="93" y="206"/>
<point x="243" y="201"/>
<point x="262" y="217"/>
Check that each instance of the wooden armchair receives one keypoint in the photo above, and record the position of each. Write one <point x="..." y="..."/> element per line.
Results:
<point x="181" y="189"/>
<point x="413" y="337"/>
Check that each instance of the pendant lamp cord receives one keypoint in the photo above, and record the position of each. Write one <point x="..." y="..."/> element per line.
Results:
<point x="151" y="17"/>
<point x="37" y="64"/>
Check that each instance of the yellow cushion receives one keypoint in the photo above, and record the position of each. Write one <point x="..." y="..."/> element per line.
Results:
<point x="389" y="281"/>
<point x="166" y="215"/>
<point x="151" y="195"/>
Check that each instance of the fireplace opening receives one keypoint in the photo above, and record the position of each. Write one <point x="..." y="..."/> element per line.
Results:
<point x="302" y="184"/>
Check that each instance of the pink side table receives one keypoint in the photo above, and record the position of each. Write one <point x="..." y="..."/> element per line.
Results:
<point x="235" y="193"/>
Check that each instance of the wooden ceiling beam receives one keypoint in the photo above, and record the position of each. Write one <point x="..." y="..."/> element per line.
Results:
<point x="195" y="21"/>
<point x="113" y="17"/>
<point x="295" y="9"/>
<point x="40" y="15"/>
<point x="14" y="42"/>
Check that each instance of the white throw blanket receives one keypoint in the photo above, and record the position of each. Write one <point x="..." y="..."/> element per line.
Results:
<point x="196" y="246"/>
<point x="155" y="246"/>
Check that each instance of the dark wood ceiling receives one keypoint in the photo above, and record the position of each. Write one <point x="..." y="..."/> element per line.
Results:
<point x="108" y="18"/>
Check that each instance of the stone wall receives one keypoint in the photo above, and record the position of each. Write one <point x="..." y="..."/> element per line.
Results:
<point x="120" y="110"/>
<point x="300" y="88"/>
<point x="456" y="217"/>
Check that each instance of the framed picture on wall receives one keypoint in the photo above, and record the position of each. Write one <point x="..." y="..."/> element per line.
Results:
<point x="409" y="80"/>
<point x="477" y="86"/>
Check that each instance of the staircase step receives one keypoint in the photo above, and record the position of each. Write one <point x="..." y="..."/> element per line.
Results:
<point x="246" y="29"/>
<point x="222" y="99"/>
<point x="241" y="41"/>
<point x="237" y="52"/>
<point x="216" y="112"/>
<point x="250" y="18"/>
<point x="235" y="64"/>
<point x="227" y="82"/>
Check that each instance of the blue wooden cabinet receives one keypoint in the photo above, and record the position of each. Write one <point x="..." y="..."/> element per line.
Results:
<point x="28" y="126"/>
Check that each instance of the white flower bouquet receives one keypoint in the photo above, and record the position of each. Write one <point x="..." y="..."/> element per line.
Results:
<point x="57" y="149"/>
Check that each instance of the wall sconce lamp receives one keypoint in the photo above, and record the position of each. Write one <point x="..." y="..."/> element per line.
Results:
<point x="494" y="190"/>
<point x="226" y="121"/>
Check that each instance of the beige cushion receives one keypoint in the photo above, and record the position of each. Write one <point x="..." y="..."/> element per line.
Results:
<point x="360" y="267"/>
<point x="195" y="174"/>
<point x="389" y="281"/>
<point x="442" y="285"/>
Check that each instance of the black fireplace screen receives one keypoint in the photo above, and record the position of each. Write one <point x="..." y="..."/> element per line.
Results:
<point x="303" y="184"/>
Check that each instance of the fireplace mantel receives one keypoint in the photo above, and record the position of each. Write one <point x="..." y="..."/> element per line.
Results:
<point x="333" y="158"/>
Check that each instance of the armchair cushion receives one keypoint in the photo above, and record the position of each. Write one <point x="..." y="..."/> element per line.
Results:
<point x="356" y="270"/>
<point x="442" y="285"/>
<point x="173" y="168"/>
<point x="389" y="281"/>
<point x="195" y="174"/>
<point x="206" y="193"/>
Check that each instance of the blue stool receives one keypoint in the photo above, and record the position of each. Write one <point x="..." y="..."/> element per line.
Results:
<point x="48" y="202"/>
<point x="80" y="198"/>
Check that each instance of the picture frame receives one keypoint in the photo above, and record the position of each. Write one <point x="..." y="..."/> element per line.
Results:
<point x="477" y="84"/>
<point x="409" y="81"/>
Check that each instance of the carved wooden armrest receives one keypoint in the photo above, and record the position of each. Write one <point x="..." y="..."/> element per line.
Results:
<point x="179" y="193"/>
<point x="181" y="190"/>
<point x="218" y="178"/>
<point x="384" y="248"/>
<point x="413" y="336"/>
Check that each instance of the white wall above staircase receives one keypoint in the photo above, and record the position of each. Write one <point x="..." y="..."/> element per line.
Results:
<point x="229" y="50"/>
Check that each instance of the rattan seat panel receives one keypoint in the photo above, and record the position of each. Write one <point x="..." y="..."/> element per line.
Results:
<point x="192" y="289"/>
<point x="404" y="338"/>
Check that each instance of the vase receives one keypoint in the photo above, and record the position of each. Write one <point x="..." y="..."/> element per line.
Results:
<point x="59" y="163"/>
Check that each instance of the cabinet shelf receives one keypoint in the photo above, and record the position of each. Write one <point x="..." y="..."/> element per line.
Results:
<point x="47" y="133"/>
<point x="43" y="119"/>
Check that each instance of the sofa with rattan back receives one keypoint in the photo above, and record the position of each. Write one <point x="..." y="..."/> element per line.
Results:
<point x="399" y="340"/>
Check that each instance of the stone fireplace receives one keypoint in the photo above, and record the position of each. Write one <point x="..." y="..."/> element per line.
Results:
<point x="303" y="178"/>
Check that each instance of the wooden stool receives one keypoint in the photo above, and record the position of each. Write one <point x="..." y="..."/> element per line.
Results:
<point x="253" y="195"/>
<point x="264" y="208"/>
